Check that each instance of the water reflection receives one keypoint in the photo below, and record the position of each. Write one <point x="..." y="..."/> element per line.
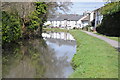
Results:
<point x="58" y="35"/>
<point x="39" y="58"/>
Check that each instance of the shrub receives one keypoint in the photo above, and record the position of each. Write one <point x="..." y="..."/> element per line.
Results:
<point x="110" y="25"/>
<point x="87" y="28"/>
<point x="11" y="29"/>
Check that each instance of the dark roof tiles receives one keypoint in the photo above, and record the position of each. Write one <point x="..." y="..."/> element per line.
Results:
<point x="72" y="17"/>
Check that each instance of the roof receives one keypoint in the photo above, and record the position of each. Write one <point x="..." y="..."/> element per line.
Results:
<point x="72" y="17"/>
<point x="86" y="18"/>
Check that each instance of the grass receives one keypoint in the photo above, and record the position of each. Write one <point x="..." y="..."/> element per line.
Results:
<point x="55" y="29"/>
<point x="113" y="38"/>
<point x="94" y="58"/>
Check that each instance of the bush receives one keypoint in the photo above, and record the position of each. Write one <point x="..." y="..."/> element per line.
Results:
<point x="74" y="28"/>
<point x="110" y="25"/>
<point x="11" y="29"/>
<point x="86" y="28"/>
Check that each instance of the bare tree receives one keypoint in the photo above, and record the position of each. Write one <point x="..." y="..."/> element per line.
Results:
<point x="55" y="6"/>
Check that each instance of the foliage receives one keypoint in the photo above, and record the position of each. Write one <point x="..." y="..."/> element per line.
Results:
<point x="94" y="58"/>
<point x="22" y="8"/>
<point x="26" y="19"/>
<point x="110" y="8"/>
<point x="12" y="23"/>
<point x="110" y="25"/>
<point x="38" y="17"/>
<point x="11" y="29"/>
<point x="87" y="27"/>
<point x="55" y="30"/>
<point x="34" y="22"/>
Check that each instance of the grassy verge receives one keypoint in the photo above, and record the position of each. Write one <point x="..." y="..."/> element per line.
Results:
<point x="113" y="38"/>
<point x="94" y="58"/>
<point x="55" y="29"/>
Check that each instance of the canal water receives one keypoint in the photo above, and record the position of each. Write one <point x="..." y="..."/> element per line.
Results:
<point x="49" y="57"/>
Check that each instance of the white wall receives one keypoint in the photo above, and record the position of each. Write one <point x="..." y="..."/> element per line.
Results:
<point x="98" y="18"/>
<point x="84" y="23"/>
<point x="70" y="24"/>
<point x="92" y="16"/>
<point x="47" y="23"/>
<point x="62" y="24"/>
<point x="79" y="23"/>
<point x="54" y="23"/>
<point x="58" y="23"/>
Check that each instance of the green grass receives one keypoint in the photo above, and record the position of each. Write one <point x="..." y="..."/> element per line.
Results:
<point x="94" y="58"/>
<point x="113" y="38"/>
<point x="55" y="29"/>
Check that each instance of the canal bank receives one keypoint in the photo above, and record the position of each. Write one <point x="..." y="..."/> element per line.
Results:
<point x="94" y="58"/>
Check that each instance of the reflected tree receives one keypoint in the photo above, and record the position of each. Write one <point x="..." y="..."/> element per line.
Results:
<point x="23" y="60"/>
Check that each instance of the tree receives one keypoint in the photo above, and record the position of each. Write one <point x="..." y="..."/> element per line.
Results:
<point x="38" y="18"/>
<point x="53" y="7"/>
<point x="24" y="19"/>
<point x="111" y="16"/>
<point x="110" y="8"/>
<point x="11" y="29"/>
<point x="22" y="8"/>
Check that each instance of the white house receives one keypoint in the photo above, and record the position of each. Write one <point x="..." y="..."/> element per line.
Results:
<point x="84" y="21"/>
<point x="68" y="21"/>
<point x="96" y="18"/>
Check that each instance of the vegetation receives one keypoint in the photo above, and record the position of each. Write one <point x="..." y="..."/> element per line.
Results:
<point x="55" y="29"/>
<point x="14" y="26"/>
<point x="11" y="29"/>
<point x="87" y="28"/>
<point x="36" y="20"/>
<point x="110" y="23"/>
<point x="94" y="58"/>
<point x="25" y="20"/>
<point x="110" y="8"/>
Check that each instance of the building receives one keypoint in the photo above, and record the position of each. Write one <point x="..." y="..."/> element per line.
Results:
<point x="98" y="17"/>
<point x="95" y="18"/>
<point x="68" y="21"/>
<point x="84" y="21"/>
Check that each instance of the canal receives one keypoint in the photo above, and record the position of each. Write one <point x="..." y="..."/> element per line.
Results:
<point x="49" y="57"/>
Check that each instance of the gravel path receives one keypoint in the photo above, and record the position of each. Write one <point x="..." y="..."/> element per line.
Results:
<point x="109" y="41"/>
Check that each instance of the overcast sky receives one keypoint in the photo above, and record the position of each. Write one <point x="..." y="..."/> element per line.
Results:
<point x="80" y="7"/>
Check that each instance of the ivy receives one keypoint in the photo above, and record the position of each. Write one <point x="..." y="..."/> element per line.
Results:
<point x="11" y="29"/>
<point x="37" y="17"/>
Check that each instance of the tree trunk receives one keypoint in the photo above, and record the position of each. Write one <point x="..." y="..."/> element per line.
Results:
<point x="40" y="31"/>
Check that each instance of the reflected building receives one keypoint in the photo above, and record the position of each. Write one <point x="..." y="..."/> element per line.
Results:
<point x="59" y="35"/>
